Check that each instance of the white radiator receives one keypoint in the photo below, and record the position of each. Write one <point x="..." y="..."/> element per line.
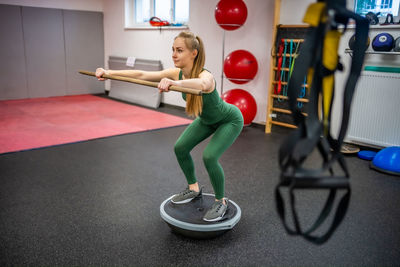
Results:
<point x="375" y="111"/>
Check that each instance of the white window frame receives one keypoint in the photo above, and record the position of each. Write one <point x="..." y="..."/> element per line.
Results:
<point x="130" y="19"/>
<point x="393" y="10"/>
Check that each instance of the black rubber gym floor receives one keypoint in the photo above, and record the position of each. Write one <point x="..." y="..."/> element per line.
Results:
<point x="96" y="203"/>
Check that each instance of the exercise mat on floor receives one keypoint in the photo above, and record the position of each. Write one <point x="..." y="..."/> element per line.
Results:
<point x="42" y="122"/>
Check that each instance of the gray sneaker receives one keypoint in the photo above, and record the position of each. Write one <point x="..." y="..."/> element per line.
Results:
<point x="185" y="196"/>
<point x="217" y="211"/>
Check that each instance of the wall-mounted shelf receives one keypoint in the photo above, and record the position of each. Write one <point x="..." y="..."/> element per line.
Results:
<point x="349" y="51"/>
<point x="375" y="27"/>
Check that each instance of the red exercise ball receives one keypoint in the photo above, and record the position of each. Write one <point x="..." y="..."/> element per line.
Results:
<point x="244" y="101"/>
<point x="230" y="14"/>
<point x="240" y="66"/>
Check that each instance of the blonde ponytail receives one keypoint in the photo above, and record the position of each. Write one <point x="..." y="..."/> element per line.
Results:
<point x="194" y="103"/>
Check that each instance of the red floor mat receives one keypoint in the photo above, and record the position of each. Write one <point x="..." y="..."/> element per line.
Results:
<point x="33" y="123"/>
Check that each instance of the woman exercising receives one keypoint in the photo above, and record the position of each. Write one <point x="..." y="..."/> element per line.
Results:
<point x="213" y="117"/>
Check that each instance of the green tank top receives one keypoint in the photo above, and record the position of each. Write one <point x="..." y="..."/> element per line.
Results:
<point x="214" y="108"/>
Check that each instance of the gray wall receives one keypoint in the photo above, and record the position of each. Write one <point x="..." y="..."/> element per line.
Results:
<point x="13" y="83"/>
<point x="84" y="47"/>
<point x="42" y="49"/>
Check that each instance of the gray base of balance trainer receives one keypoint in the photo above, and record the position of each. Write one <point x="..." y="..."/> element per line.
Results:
<point x="187" y="219"/>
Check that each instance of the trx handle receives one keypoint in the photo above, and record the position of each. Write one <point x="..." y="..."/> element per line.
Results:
<point x="338" y="217"/>
<point x="143" y="82"/>
<point x="338" y="182"/>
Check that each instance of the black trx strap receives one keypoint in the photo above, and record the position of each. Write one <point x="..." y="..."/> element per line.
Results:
<point x="319" y="60"/>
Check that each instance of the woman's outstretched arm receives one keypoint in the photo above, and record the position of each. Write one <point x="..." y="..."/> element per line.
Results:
<point x="154" y="76"/>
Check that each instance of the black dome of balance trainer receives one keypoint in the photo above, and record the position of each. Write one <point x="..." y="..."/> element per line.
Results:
<point x="383" y="42"/>
<point x="187" y="219"/>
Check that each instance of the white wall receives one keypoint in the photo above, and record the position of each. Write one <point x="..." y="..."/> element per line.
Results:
<point x="292" y="12"/>
<point x="88" y="5"/>
<point x="255" y="36"/>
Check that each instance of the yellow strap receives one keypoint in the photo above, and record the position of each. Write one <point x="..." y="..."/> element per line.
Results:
<point x="331" y="44"/>
<point x="330" y="61"/>
<point x="310" y="76"/>
<point x="314" y="14"/>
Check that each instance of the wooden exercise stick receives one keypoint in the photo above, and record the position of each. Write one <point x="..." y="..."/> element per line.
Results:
<point x="143" y="82"/>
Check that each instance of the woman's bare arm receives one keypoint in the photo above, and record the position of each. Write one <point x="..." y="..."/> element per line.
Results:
<point x="205" y="83"/>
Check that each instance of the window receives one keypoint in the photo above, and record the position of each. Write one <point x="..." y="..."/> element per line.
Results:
<point x="139" y="12"/>
<point x="385" y="7"/>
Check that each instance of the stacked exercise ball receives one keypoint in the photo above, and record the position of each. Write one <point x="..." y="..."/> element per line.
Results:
<point x="230" y="14"/>
<point x="239" y="66"/>
<point x="244" y="101"/>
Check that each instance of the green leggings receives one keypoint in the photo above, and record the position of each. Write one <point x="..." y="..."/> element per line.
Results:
<point x="225" y="132"/>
